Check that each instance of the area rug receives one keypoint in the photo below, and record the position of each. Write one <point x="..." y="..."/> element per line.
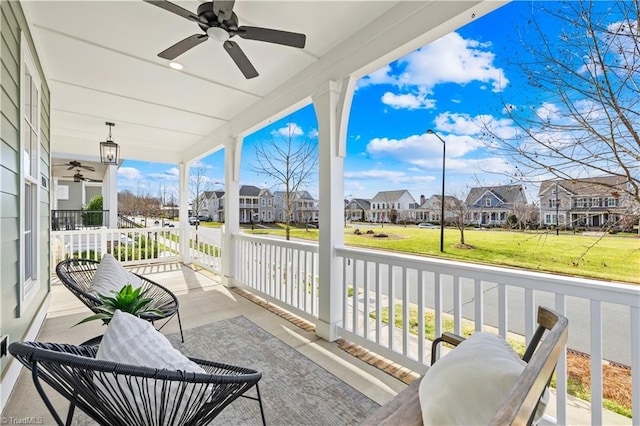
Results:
<point x="294" y="389"/>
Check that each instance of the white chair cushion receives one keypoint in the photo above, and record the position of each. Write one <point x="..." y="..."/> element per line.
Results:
<point x="466" y="386"/>
<point x="133" y="341"/>
<point x="111" y="275"/>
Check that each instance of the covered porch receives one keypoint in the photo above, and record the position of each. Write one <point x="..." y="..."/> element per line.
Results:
<point x="341" y="290"/>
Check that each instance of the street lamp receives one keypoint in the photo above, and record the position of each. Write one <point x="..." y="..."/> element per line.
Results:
<point x="444" y="149"/>
<point x="557" y="208"/>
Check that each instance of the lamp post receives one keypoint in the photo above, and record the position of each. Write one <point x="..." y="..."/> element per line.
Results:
<point x="444" y="149"/>
<point x="557" y="208"/>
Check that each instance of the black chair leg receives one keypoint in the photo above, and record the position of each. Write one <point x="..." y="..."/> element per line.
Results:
<point x="264" y="422"/>
<point x="180" y="325"/>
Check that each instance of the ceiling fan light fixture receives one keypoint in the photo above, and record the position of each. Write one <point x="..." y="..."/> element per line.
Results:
<point x="218" y="34"/>
<point x="176" y="65"/>
<point x="109" y="150"/>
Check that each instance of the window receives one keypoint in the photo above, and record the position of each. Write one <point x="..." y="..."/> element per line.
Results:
<point x="553" y="203"/>
<point x="561" y="219"/>
<point x="487" y="202"/>
<point x="264" y="202"/>
<point x="547" y="218"/>
<point x="580" y="202"/>
<point x="596" y="202"/>
<point x="612" y="202"/>
<point x="30" y="152"/>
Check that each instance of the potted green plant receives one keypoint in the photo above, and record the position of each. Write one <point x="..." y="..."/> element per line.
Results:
<point x="127" y="300"/>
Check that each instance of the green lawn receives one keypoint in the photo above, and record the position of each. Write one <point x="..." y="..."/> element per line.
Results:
<point x="612" y="257"/>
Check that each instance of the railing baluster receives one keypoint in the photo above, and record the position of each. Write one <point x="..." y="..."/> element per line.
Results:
<point x="457" y="306"/>
<point x="354" y="303"/>
<point x="530" y="319"/>
<point x="635" y="364"/>
<point x="561" y="371"/>
<point x="378" y="302"/>
<point x="345" y="294"/>
<point x="421" y="303"/>
<point x="405" y="312"/>
<point x="437" y="307"/>
<point x="596" y="362"/>
<point x="502" y="311"/>
<point x="365" y="282"/>
<point x="391" y="302"/>
<point x="479" y="306"/>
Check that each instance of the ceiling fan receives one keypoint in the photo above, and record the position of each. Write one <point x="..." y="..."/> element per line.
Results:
<point x="76" y="165"/>
<point x="220" y="23"/>
<point x="79" y="177"/>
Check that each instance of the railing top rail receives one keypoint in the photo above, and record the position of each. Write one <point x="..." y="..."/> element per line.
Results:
<point x="605" y="291"/>
<point x="309" y="246"/>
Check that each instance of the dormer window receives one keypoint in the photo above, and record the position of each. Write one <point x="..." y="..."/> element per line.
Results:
<point x="487" y="202"/>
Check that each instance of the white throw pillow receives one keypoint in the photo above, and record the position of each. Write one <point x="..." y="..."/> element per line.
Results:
<point x="466" y="386"/>
<point x="111" y="275"/>
<point x="133" y="341"/>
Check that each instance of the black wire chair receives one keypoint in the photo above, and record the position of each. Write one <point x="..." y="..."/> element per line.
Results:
<point x="77" y="274"/>
<point x="119" y="394"/>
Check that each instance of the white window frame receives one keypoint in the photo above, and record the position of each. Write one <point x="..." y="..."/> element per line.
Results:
<point x="487" y="202"/>
<point x="29" y="286"/>
<point x="611" y="202"/>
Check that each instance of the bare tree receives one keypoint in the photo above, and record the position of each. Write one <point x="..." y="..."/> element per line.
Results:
<point x="457" y="213"/>
<point x="288" y="162"/>
<point x="199" y="182"/>
<point x="584" y="75"/>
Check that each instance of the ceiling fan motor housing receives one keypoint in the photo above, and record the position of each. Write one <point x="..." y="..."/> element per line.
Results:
<point x="205" y="12"/>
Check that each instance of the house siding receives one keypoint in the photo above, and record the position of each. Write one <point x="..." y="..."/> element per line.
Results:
<point x="13" y="322"/>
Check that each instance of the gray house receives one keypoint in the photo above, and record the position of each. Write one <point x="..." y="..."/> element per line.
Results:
<point x="492" y="205"/>
<point x="358" y="210"/>
<point x="586" y="203"/>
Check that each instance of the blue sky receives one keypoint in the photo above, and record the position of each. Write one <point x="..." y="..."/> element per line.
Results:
<point x="449" y="86"/>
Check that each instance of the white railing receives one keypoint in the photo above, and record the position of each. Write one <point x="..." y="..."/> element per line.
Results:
<point x="501" y="299"/>
<point x="206" y="252"/>
<point x="283" y="272"/>
<point x="131" y="246"/>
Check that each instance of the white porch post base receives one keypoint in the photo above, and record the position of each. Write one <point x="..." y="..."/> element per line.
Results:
<point x="327" y="331"/>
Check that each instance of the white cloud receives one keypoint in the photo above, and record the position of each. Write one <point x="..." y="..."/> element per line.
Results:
<point x="313" y="133"/>
<point x="408" y="101"/>
<point x="290" y="130"/>
<point x="174" y="171"/>
<point x="381" y="76"/>
<point x="423" y="150"/>
<point x="465" y="124"/>
<point x="549" y="112"/>
<point x="388" y="176"/>
<point x="198" y="164"/>
<point x="452" y="59"/>
<point x="129" y="173"/>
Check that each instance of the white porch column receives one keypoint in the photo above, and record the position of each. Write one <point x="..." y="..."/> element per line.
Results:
<point x="232" y="156"/>
<point x="183" y="213"/>
<point x="332" y="104"/>
<point x="110" y="195"/>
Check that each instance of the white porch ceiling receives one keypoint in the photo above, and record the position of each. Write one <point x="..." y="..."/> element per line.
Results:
<point x="100" y="60"/>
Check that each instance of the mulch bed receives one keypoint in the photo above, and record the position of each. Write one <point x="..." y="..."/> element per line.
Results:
<point x="616" y="379"/>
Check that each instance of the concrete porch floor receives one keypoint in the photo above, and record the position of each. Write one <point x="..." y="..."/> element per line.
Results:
<point x="203" y="299"/>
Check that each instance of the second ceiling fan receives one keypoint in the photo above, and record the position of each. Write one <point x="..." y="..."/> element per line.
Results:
<point x="219" y="22"/>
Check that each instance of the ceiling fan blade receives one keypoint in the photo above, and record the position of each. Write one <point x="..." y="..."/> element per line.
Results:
<point x="223" y="9"/>
<point x="240" y="59"/>
<point x="90" y="168"/>
<point x="272" y="36"/>
<point x="71" y="167"/>
<point x="182" y="46"/>
<point x="174" y="8"/>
